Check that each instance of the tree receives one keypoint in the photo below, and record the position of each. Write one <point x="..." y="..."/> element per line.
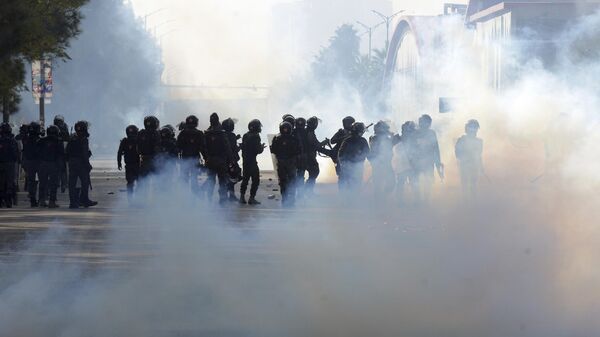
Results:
<point x="29" y="30"/>
<point x="339" y="60"/>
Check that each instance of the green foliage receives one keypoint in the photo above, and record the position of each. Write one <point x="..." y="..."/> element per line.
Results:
<point x="29" y="30"/>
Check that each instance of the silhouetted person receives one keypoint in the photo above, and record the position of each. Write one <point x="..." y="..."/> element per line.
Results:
<point x="128" y="150"/>
<point x="217" y="155"/>
<point x="428" y="157"/>
<point x="313" y="145"/>
<point x="286" y="149"/>
<point x="9" y="155"/>
<point x="337" y="140"/>
<point x="352" y="155"/>
<point x="78" y="157"/>
<point x="51" y="154"/>
<point x="405" y="161"/>
<point x="233" y="167"/>
<point x="301" y="134"/>
<point x="251" y="148"/>
<point x="191" y="144"/>
<point x="148" y="146"/>
<point x="31" y="160"/>
<point x="380" y="157"/>
<point x="469" y="150"/>
<point x="64" y="136"/>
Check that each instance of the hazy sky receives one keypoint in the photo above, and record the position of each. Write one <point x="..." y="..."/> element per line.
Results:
<point x="228" y="41"/>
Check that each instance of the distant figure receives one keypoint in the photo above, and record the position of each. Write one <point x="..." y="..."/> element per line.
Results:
<point x="286" y="149"/>
<point x="148" y="145"/>
<point x="128" y="150"/>
<point x="427" y="158"/>
<point x="64" y="135"/>
<point x="233" y="167"/>
<point x="352" y="155"/>
<point x="405" y="161"/>
<point x="380" y="157"/>
<point x="313" y="145"/>
<point x="78" y="158"/>
<point x="191" y="144"/>
<point x="251" y="148"/>
<point x="51" y="154"/>
<point x="31" y="160"/>
<point x="301" y="134"/>
<point x="468" y="152"/>
<point x="336" y="140"/>
<point x="217" y="155"/>
<point x="168" y="145"/>
<point x="9" y="155"/>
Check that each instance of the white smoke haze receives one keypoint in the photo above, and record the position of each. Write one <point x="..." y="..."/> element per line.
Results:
<point x="521" y="261"/>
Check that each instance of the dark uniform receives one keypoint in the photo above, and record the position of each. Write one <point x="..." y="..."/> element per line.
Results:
<point x="469" y="150"/>
<point x="380" y="157"/>
<point x="78" y="158"/>
<point x="301" y="134"/>
<point x="128" y="150"/>
<point x="353" y="152"/>
<point x="312" y="147"/>
<point x="31" y="160"/>
<point x="234" y="166"/>
<point x="168" y="145"/>
<point x="251" y="148"/>
<point x="51" y="154"/>
<point x="9" y="154"/>
<point x="190" y="143"/>
<point x="64" y="138"/>
<point x="337" y="140"/>
<point x="286" y="149"/>
<point x="217" y="155"/>
<point x="148" y="146"/>
<point x="23" y="129"/>
<point x="427" y="157"/>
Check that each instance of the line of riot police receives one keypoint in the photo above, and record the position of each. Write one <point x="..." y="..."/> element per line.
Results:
<point x="51" y="159"/>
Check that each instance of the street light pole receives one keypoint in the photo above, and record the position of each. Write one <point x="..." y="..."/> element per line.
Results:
<point x="150" y="14"/>
<point x="370" y="32"/>
<point x="387" y="20"/>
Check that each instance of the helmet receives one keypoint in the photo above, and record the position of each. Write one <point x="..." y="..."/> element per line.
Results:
<point x="151" y="122"/>
<point x="52" y="131"/>
<point x="347" y="122"/>
<point x="131" y="131"/>
<point x="289" y="118"/>
<point x="5" y="129"/>
<point x="191" y="121"/>
<point x="312" y="123"/>
<point x="214" y="119"/>
<point x="167" y="131"/>
<point x="228" y="125"/>
<point x="381" y="127"/>
<point x="23" y="129"/>
<point x="408" y="127"/>
<point x="81" y="128"/>
<point x="300" y="123"/>
<point x="285" y="128"/>
<point x="34" y="129"/>
<point x="58" y="119"/>
<point x="358" y="129"/>
<point x="425" y="121"/>
<point x="472" y="124"/>
<point x="255" y="126"/>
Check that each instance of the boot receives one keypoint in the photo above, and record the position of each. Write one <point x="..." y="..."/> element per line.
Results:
<point x="242" y="199"/>
<point x="74" y="204"/>
<point x="33" y="202"/>
<point x="253" y="201"/>
<point x="53" y="204"/>
<point x="88" y="203"/>
<point x="43" y="204"/>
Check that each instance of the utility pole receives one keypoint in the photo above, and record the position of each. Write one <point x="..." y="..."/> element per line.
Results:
<point x="387" y="20"/>
<point x="42" y="92"/>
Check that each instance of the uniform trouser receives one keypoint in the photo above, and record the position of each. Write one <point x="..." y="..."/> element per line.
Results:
<point x="404" y="179"/>
<point x="287" y="173"/>
<point x="424" y="183"/>
<point x="63" y="177"/>
<point x="231" y="184"/>
<point x="300" y="170"/>
<point x="251" y="171"/>
<point x="216" y="168"/>
<point x="31" y="170"/>
<point x="352" y="175"/>
<point x="7" y="181"/>
<point x="147" y="166"/>
<point x="49" y="180"/>
<point x="78" y="170"/>
<point x="469" y="177"/>
<point x="312" y="166"/>
<point x="383" y="177"/>
<point x="189" y="172"/>
<point x="132" y="172"/>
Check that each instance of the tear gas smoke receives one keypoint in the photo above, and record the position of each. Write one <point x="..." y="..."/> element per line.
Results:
<point x="521" y="261"/>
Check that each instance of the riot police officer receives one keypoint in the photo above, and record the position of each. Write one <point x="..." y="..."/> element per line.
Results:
<point x="51" y="154"/>
<point x="301" y="134"/>
<point x="168" y="143"/>
<point x="217" y="156"/>
<point x="8" y="158"/>
<point x="78" y="158"/>
<point x="128" y="150"/>
<point x="382" y="144"/>
<point x="286" y="149"/>
<point x="313" y="145"/>
<point x="469" y="151"/>
<point x="353" y="152"/>
<point x="337" y="139"/>
<point x="191" y="144"/>
<point x="234" y="166"/>
<point x="251" y="148"/>
<point x="31" y="160"/>
<point x="64" y="135"/>
<point x="148" y="145"/>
